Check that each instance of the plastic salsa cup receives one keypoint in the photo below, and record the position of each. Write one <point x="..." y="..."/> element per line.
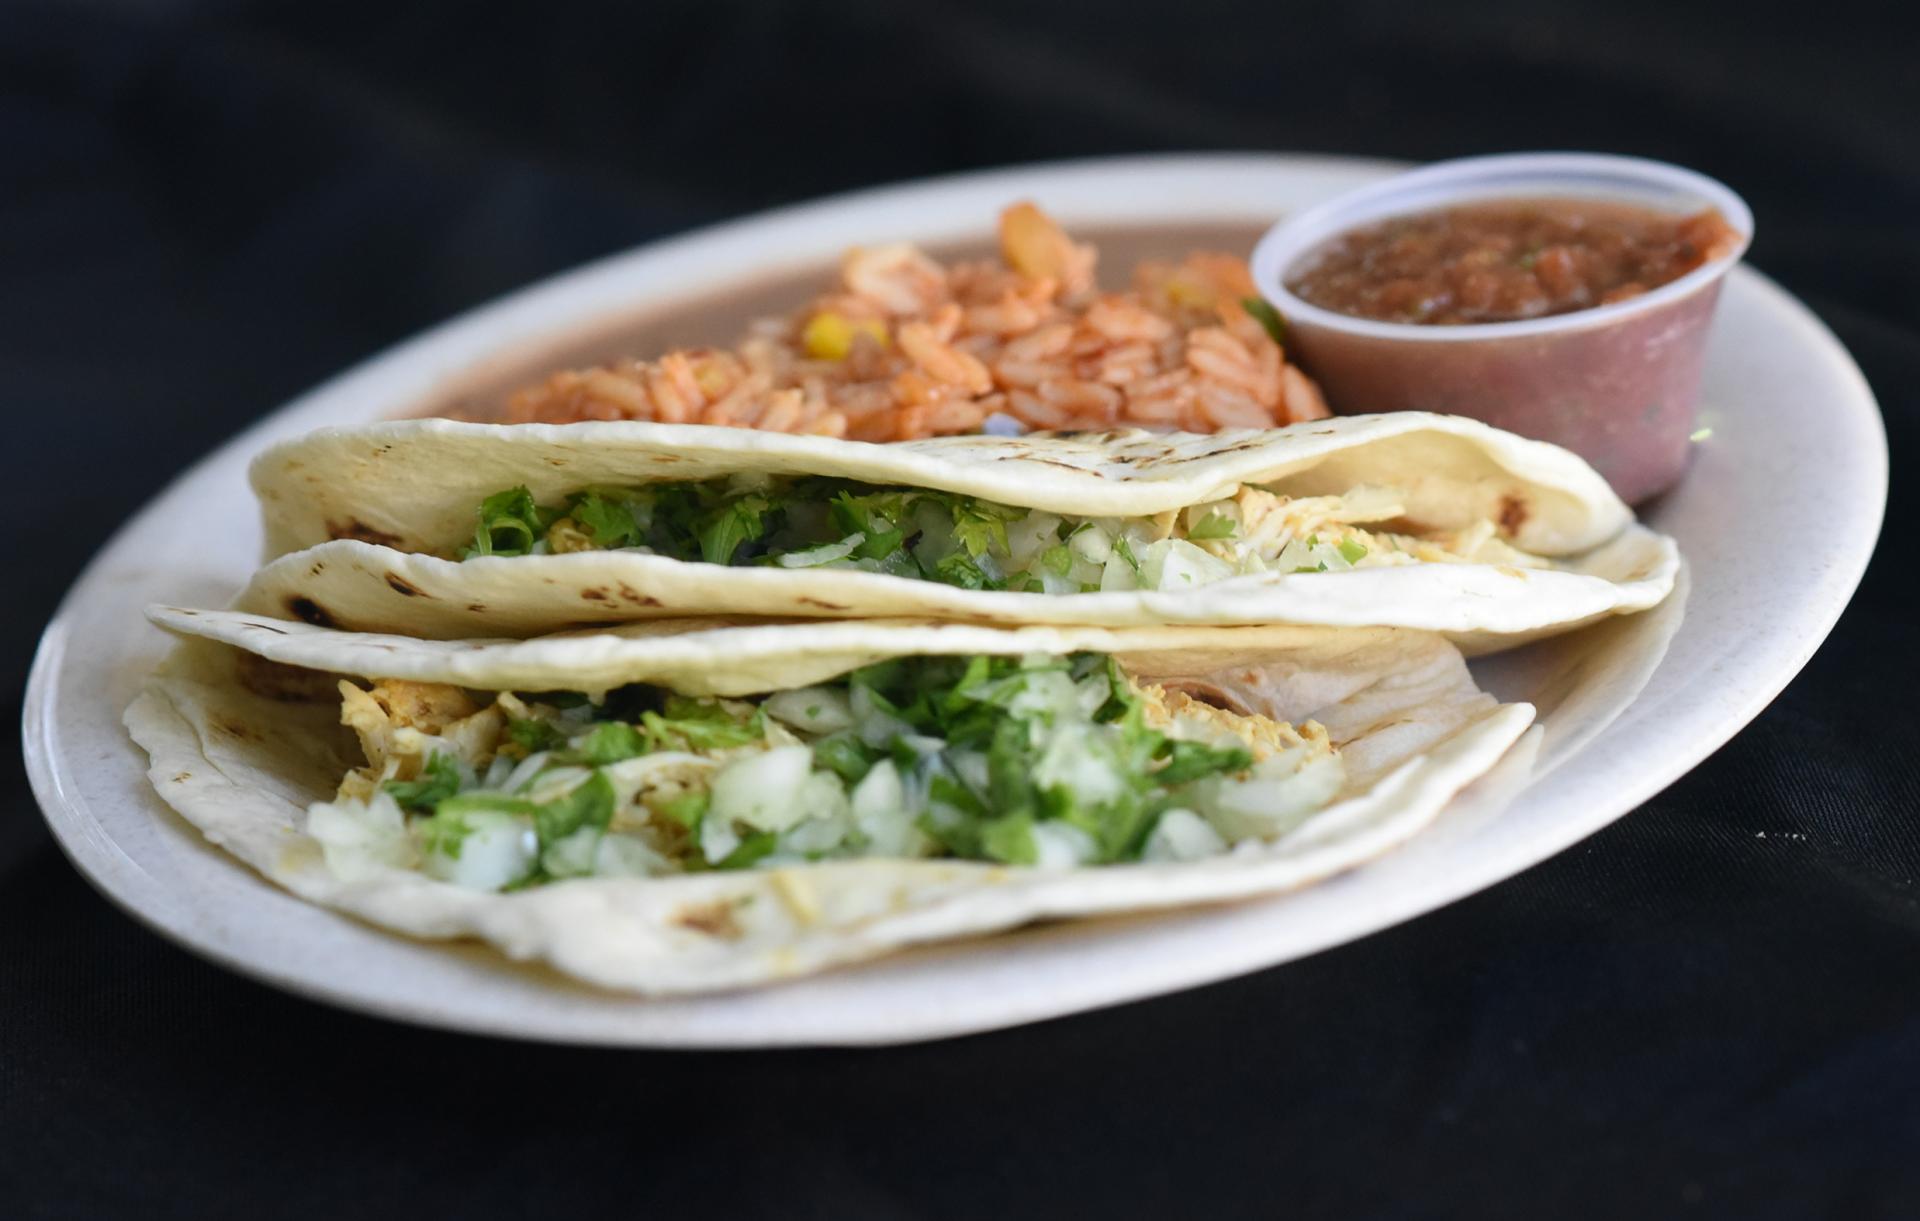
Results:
<point x="1617" y="384"/>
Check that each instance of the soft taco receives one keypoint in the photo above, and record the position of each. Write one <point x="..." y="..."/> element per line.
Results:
<point x="676" y="807"/>
<point x="447" y="529"/>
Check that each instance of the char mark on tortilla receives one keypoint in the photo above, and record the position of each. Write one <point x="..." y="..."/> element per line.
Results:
<point x="354" y="528"/>
<point x="308" y="611"/>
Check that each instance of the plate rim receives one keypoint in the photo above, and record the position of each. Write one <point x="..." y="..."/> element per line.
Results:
<point x="40" y="737"/>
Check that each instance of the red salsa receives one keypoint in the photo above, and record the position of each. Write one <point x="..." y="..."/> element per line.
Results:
<point x="1508" y="260"/>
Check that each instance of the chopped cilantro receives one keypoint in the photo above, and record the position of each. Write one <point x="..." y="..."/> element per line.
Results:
<point x="695" y="724"/>
<point x="845" y="756"/>
<point x="439" y="780"/>
<point x="751" y="849"/>
<point x="1009" y="776"/>
<point x="723" y="529"/>
<point x="445" y="832"/>
<point x="1009" y="839"/>
<point x="988" y="750"/>
<point x="1188" y="761"/>
<point x="957" y="569"/>
<point x="509" y="524"/>
<point x="609" y="523"/>
<point x="589" y="804"/>
<point x="609" y="742"/>
<point x="795" y="523"/>
<point x="1214" y="525"/>
<point x="981" y="526"/>
<point x="945" y="790"/>
<point x="687" y="809"/>
<point x="531" y="735"/>
<point x="879" y="544"/>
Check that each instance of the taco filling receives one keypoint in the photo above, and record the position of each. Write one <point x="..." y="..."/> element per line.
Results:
<point x="1043" y="760"/>
<point x="815" y="522"/>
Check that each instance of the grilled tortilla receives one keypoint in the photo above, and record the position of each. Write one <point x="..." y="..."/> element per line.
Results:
<point x="681" y="807"/>
<point x="441" y="529"/>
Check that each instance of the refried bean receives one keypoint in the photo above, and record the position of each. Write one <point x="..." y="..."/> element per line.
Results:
<point x="1508" y="260"/>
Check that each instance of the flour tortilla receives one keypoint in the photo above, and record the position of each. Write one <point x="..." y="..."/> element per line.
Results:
<point x="365" y="502"/>
<point x="241" y="751"/>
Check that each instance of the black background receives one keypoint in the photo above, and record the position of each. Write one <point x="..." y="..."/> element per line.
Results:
<point x="1712" y="1008"/>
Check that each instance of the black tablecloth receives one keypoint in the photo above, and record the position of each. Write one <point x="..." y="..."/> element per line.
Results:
<point x="1711" y="1008"/>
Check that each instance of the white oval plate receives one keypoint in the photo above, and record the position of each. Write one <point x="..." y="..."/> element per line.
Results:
<point x="1626" y="707"/>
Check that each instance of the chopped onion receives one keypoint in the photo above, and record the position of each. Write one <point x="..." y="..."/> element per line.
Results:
<point x="1059" y="845"/>
<point x="1029" y="536"/>
<point x="361" y="838"/>
<point x="826" y="817"/>
<point x="574" y="856"/>
<point x="1176" y="564"/>
<point x="875" y="727"/>
<point x="625" y="856"/>
<point x="1092" y="543"/>
<point x="497" y="850"/>
<point x="1275" y="798"/>
<point x="762" y="790"/>
<point x="1182" y="835"/>
<point x="825" y="553"/>
<point x="1071" y="762"/>
<point x="818" y="710"/>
